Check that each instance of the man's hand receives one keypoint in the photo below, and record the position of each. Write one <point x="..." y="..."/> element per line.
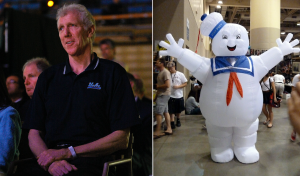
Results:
<point x="286" y="47"/>
<point x="62" y="167"/>
<point x="173" y="49"/>
<point x="293" y="108"/>
<point x="49" y="156"/>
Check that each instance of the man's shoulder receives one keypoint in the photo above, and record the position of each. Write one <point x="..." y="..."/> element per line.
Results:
<point x="53" y="70"/>
<point x="109" y="65"/>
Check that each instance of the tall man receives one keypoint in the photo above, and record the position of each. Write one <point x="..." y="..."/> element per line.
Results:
<point x="81" y="110"/>
<point x="162" y="98"/>
<point x="176" y="102"/>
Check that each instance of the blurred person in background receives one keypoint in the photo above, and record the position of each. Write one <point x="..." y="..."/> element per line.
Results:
<point x="162" y="97"/>
<point x="108" y="51"/>
<point x="10" y="128"/>
<point x="176" y="102"/>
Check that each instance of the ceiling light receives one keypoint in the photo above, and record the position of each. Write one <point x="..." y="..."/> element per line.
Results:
<point x="298" y="23"/>
<point x="282" y="32"/>
<point x="220" y="2"/>
<point x="218" y="6"/>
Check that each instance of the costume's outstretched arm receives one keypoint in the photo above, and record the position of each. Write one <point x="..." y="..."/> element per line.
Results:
<point x="274" y="55"/>
<point x="196" y="64"/>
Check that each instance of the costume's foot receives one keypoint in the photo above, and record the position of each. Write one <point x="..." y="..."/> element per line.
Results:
<point x="246" y="154"/>
<point x="293" y="136"/>
<point x="221" y="155"/>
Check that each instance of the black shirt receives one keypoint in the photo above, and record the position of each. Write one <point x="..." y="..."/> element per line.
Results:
<point x="78" y="109"/>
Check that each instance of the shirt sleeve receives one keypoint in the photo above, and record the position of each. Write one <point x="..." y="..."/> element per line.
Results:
<point x="10" y="134"/>
<point x="122" y="109"/>
<point x="183" y="78"/>
<point x="195" y="104"/>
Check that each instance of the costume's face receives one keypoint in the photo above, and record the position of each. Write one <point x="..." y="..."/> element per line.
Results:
<point x="30" y="76"/>
<point x="231" y="40"/>
<point x="12" y="85"/>
<point x="107" y="51"/>
<point x="73" y="37"/>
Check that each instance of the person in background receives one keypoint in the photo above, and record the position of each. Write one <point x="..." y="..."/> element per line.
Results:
<point x="162" y="98"/>
<point x="176" y="102"/>
<point x="295" y="80"/>
<point x="191" y="106"/>
<point x="142" y="148"/>
<point x="17" y="94"/>
<point x="267" y="84"/>
<point x="10" y="128"/>
<point x="279" y="84"/>
<point x="31" y="71"/>
<point x="108" y="51"/>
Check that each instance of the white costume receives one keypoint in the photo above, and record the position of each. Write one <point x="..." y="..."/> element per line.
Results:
<point x="231" y="97"/>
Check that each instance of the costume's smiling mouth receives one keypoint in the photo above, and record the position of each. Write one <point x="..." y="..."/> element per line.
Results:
<point x="231" y="48"/>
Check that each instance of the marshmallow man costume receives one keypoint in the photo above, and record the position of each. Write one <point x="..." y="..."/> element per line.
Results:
<point x="231" y="97"/>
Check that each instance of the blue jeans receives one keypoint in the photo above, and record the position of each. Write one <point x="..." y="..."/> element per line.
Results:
<point x="195" y="111"/>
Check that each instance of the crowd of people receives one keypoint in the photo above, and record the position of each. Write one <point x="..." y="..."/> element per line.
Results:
<point x="169" y="100"/>
<point x="71" y="117"/>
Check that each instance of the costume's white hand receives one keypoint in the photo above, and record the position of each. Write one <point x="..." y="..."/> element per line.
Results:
<point x="286" y="47"/>
<point x="173" y="49"/>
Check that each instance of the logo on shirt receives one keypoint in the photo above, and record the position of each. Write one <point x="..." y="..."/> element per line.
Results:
<point x="94" y="86"/>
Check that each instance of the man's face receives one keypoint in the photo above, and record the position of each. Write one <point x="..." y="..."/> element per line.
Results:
<point x="30" y="76"/>
<point x="73" y="37"/>
<point x="12" y="85"/>
<point x="158" y="64"/>
<point x="107" y="52"/>
<point x="171" y="69"/>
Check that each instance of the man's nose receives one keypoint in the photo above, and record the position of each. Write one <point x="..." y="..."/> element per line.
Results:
<point x="26" y="82"/>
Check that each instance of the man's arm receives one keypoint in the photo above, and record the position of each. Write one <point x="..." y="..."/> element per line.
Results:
<point x="36" y="143"/>
<point x="165" y="85"/>
<point x="104" y="146"/>
<point x="180" y="86"/>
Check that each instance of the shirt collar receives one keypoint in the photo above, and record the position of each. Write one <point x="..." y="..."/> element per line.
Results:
<point x="93" y="65"/>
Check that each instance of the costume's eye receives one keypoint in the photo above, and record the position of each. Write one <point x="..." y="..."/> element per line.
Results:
<point x="238" y="36"/>
<point x="224" y="37"/>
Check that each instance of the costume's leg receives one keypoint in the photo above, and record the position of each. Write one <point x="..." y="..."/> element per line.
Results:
<point x="220" y="142"/>
<point x="244" y="139"/>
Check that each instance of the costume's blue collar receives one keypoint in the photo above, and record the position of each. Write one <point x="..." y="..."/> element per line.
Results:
<point x="243" y="64"/>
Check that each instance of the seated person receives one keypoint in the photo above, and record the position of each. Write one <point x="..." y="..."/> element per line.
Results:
<point x="10" y="129"/>
<point x="191" y="106"/>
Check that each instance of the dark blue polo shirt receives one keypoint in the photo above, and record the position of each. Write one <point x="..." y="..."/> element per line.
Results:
<point x="79" y="109"/>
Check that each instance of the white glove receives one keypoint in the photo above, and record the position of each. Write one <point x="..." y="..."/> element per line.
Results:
<point x="173" y="49"/>
<point x="286" y="47"/>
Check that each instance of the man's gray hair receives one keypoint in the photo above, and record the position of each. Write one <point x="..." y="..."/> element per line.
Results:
<point x="86" y="18"/>
<point x="41" y="64"/>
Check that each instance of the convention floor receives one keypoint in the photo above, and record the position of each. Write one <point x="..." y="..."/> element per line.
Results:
<point x="187" y="153"/>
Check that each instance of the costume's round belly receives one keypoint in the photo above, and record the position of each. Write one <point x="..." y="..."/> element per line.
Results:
<point x="241" y="111"/>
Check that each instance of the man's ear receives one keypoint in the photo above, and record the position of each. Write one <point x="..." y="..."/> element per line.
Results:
<point x="91" y="31"/>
